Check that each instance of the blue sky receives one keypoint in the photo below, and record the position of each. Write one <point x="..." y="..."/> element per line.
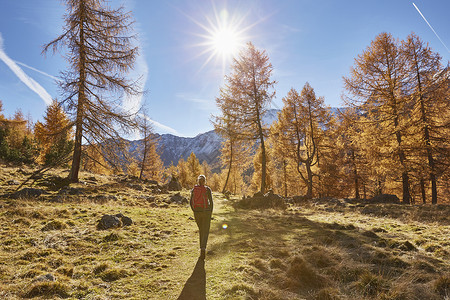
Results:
<point x="306" y="40"/>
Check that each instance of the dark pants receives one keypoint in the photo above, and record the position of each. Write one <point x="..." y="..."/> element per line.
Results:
<point x="203" y="220"/>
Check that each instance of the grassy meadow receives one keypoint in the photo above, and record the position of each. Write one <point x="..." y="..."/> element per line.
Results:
<point x="50" y="247"/>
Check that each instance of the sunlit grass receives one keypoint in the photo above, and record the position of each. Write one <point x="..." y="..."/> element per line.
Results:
<point x="309" y="252"/>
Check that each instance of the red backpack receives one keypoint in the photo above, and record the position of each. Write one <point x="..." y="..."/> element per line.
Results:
<point x="199" y="198"/>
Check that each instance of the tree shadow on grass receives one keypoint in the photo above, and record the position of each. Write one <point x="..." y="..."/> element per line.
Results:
<point x="195" y="286"/>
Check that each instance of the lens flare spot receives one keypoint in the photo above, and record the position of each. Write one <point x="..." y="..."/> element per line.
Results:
<point x="225" y="226"/>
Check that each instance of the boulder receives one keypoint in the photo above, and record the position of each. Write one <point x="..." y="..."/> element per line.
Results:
<point x="71" y="191"/>
<point x="174" y="185"/>
<point x="178" y="199"/>
<point x="44" y="278"/>
<point x="261" y="201"/>
<point x="299" y="199"/>
<point x="258" y="195"/>
<point x="384" y="198"/>
<point x="13" y="182"/>
<point x="27" y="193"/>
<point x="108" y="222"/>
<point x="126" y="221"/>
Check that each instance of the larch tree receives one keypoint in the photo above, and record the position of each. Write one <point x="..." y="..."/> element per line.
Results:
<point x="194" y="168"/>
<point x="245" y="97"/>
<point x="54" y="135"/>
<point x="425" y="86"/>
<point x="182" y="172"/>
<point x="376" y="87"/>
<point x="100" y="54"/>
<point x="233" y="152"/>
<point x="298" y="132"/>
<point x="150" y="165"/>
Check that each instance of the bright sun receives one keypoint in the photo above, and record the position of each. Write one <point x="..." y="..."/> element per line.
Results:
<point x="223" y="37"/>
<point x="225" y="42"/>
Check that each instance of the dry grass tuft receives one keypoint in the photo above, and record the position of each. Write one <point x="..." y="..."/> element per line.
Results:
<point x="113" y="274"/>
<point x="47" y="290"/>
<point x="242" y="290"/>
<point x="54" y="225"/>
<point x="303" y="275"/>
<point x="442" y="286"/>
<point x="371" y="285"/>
<point x="112" y="237"/>
<point x="100" y="268"/>
<point x="327" y="294"/>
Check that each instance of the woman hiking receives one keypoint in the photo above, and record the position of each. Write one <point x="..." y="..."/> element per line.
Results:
<point x="202" y="205"/>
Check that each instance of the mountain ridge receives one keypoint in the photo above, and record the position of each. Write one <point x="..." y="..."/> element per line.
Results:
<point x="206" y="146"/>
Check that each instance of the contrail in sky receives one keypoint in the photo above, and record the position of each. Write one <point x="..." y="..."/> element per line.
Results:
<point x="159" y="125"/>
<point x="39" y="71"/>
<point x="431" y="27"/>
<point x="27" y="80"/>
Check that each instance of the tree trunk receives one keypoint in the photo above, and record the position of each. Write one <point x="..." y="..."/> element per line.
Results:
<point x="355" y="174"/>
<point x="263" y="152"/>
<point x="402" y="158"/>
<point x="146" y="141"/>
<point x="431" y="163"/>
<point x="76" y="161"/>
<point x="309" y="192"/>
<point x="229" y="167"/>
<point x="422" y="189"/>
<point x="263" y="166"/>
<point x="285" y="177"/>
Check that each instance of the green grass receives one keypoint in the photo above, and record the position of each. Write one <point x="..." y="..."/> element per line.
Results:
<point x="303" y="252"/>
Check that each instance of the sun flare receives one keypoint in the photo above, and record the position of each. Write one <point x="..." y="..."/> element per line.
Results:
<point x="223" y="37"/>
<point x="225" y="42"/>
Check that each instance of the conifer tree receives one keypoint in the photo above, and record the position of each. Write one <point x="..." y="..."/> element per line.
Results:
<point x="193" y="168"/>
<point x="182" y="172"/>
<point x="245" y="97"/>
<point x="206" y="169"/>
<point x="298" y="131"/>
<point x="376" y="85"/>
<point x="234" y="152"/>
<point x="151" y="165"/>
<point x="100" y="53"/>
<point x="54" y="135"/>
<point x="424" y="67"/>
<point x="94" y="162"/>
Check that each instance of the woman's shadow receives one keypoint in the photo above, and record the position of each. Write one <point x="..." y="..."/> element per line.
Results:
<point x="195" y="286"/>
